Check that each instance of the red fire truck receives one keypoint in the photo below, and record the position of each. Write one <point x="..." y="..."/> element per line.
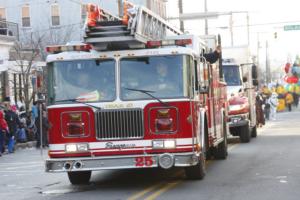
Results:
<point x="134" y="100"/>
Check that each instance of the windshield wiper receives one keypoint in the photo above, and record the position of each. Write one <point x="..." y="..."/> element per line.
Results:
<point x="148" y="92"/>
<point x="76" y="101"/>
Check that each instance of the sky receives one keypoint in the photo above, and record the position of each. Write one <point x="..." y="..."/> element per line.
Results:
<point x="268" y="12"/>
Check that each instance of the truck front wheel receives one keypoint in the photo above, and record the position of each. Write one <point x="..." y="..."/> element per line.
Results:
<point x="245" y="134"/>
<point x="220" y="152"/>
<point x="196" y="172"/>
<point x="77" y="178"/>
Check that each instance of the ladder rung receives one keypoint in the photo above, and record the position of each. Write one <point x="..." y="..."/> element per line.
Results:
<point x="109" y="23"/>
<point x="108" y="33"/>
<point x="105" y="28"/>
<point x="109" y="39"/>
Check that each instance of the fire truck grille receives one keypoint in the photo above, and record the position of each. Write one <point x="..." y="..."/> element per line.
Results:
<point x="119" y="124"/>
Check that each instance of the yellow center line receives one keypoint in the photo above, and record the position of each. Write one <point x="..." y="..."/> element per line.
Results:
<point x="145" y="191"/>
<point x="165" y="188"/>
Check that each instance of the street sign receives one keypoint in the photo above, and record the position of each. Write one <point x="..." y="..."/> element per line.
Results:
<point x="291" y="27"/>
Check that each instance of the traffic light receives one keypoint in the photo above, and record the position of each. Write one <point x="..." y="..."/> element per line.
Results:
<point x="275" y="35"/>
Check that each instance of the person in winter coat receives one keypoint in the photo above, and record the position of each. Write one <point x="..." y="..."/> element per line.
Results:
<point x="213" y="56"/>
<point x="273" y="101"/>
<point x="3" y="131"/>
<point x="289" y="100"/>
<point x="13" y="122"/>
<point x="260" y="118"/>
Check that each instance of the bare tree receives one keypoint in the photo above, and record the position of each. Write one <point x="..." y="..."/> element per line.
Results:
<point x="30" y="49"/>
<point x="25" y="55"/>
<point x="55" y="36"/>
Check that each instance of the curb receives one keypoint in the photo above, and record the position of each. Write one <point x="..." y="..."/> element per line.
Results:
<point x="25" y="145"/>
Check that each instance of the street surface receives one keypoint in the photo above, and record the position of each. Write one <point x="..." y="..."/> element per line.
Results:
<point x="268" y="168"/>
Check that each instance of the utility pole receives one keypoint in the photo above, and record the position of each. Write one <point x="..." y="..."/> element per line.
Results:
<point x="180" y="7"/>
<point x="120" y="9"/>
<point x="206" y="20"/>
<point x="231" y="28"/>
<point x="258" y="45"/>
<point x="268" y="70"/>
<point x="248" y="29"/>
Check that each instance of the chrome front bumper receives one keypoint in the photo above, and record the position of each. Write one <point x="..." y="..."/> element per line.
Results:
<point x="121" y="162"/>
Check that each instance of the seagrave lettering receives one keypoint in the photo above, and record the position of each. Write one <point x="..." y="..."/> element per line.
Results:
<point x="110" y="145"/>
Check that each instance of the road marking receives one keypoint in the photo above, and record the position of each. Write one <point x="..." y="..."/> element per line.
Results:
<point x="165" y="188"/>
<point x="59" y="191"/>
<point x="144" y="192"/>
<point x="153" y="187"/>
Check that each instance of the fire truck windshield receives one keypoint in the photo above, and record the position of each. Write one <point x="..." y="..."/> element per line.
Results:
<point x="232" y="75"/>
<point x="167" y="76"/>
<point x="83" y="80"/>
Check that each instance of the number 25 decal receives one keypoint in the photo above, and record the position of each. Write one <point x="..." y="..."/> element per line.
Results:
<point x="144" y="161"/>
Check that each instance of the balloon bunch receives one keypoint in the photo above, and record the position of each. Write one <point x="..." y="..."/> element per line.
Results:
<point x="292" y="72"/>
<point x="292" y="76"/>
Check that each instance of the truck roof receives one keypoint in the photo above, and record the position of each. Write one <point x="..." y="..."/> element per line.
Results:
<point x="193" y="49"/>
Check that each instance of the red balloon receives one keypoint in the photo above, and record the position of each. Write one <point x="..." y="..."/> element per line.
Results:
<point x="287" y="67"/>
<point x="292" y="79"/>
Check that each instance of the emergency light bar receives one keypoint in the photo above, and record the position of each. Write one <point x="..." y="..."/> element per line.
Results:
<point x="159" y="43"/>
<point x="63" y="48"/>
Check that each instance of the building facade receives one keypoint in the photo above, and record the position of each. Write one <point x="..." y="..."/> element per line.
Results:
<point x="60" y="21"/>
<point x="49" y="22"/>
<point x="8" y="36"/>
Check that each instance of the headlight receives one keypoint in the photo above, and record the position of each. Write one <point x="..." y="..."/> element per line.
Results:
<point x="163" y="144"/>
<point x="158" y="144"/>
<point x="169" y="144"/>
<point x="72" y="148"/>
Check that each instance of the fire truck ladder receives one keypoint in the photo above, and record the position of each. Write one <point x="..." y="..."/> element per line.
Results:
<point x="142" y="27"/>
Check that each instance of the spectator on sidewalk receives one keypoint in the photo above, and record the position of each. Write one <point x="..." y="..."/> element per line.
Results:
<point x="259" y="103"/>
<point x="273" y="101"/>
<point x="289" y="101"/>
<point x="13" y="122"/>
<point x="34" y="111"/>
<point x="3" y="132"/>
<point x="267" y="108"/>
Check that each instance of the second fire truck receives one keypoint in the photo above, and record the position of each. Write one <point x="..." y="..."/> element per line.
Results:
<point x="134" y="98"/>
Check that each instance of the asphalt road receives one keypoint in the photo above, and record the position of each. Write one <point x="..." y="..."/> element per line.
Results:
<point x="268" y="168"/>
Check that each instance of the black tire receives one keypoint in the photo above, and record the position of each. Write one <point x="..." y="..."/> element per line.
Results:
<point x="221" y="152"/>
<point x="77" y="178"/>
<point x="245" y="134"/>
<point x="196" y="172"/>
<point x="254" y="132"/>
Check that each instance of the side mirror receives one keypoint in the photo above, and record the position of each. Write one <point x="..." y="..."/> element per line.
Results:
<point x="203" y="90"/>
<point x="255" y="82"/>
<point x="245" y="79"/>
<point x="254" y="72"/>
